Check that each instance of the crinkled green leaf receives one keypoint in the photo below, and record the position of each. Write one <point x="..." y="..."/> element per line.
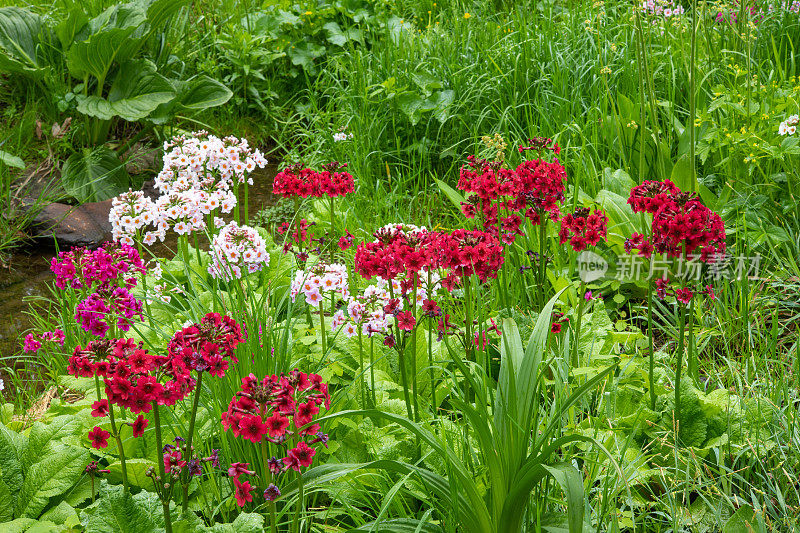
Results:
<point x="118" y="512"/>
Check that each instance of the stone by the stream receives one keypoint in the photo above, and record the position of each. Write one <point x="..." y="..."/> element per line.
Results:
<point x="82" y="225"/>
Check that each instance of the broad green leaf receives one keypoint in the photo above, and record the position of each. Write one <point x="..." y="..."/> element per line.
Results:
<point x="304" y="53"/>
<point x="29" y="525"/>
<point x="203" y="92"/>
<point x="70" y="27"/>
<point x="137" y="473"/>
<point x="244" y="523"/>
<point x="744" y="520"/>
<point x="56" y="472"/>
<point x="94" y="175"/>
<point x="12" y="451"/>
<point x="454" y="196"/>
<point x="118" y="512"/>
<point x="19" y="39"/>
<point x="10" y="160"/>
<point x="160" y="10"/>
<point x="137" y="91"/>
<point x="97" y="54"/>
<point x="63" y="513"/>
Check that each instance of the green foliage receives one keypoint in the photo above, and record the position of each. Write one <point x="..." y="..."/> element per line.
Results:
<point x="38" y="467"/>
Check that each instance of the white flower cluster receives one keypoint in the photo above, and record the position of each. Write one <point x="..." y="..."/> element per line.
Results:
<point x="235" y="247"/>
<point x="321" y="279"/>
<point x="199" y="161"/>
<point x="391" y="230"/>
<point x="366" y="311"/>
<point x="342" y="136"/>
<point x="662" y="8"/>
<point x="131" y="212"/>
<point x="789" y="126"/>
<point x="197" y="178"/>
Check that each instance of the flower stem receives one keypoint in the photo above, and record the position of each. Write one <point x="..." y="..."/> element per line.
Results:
<point x="118" y="438"/>
<point x="273" y="526"/>
<point x="581" y="299"/>
<point x="188" y="448"/>
<point x="650" y="340"/>
<point x="361" y="368"/>
<point x="691" y="361"/>
<point x="322" y="327"/>
<point x="161" y="472"/>
<point x="681" y="328"/>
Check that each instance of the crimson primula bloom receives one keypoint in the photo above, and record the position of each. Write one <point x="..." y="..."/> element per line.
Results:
<point x="265" y="409"/>
<point x="207" y="346"/>
<point x="501" y="196"/>
<point x="406" y="321"/>
<point x="583" y="228"/>
<point x="139" y="425"/>
<point x="99" y="437"/>
<point x="242" y="492"/>
<point x="651" y="195"/>
<point x="682" y="226"/>
<point x="332" y="181"/>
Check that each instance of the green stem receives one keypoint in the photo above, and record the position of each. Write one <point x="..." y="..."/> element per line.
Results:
<point x="161" y="471"/>
<point x="581" y="300"/>
<point x="650" y="340"/>
<point x="361" y="368"/>
<point x="542" y="273"/>
<point x="401" y="348"/>
<point x="678" y="370"/>
<point x="372" y="370"/>
<point x="187" y="451"/>
<point x="322" y="327"/>
<point x="121" y="450"/>
<point x="692" y="362"/>
<point x="333" y="222"/>
<point x="273" y="523"/>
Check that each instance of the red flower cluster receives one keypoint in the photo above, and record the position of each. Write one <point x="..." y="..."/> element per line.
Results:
<point x="303" y="182"/>
<point x="681" y="223"/>
<point x="651" y="195"/>
<point x="582" y="228"/>
<point x="267" y="409"/>
<point x="207" y="346"/>
<point x="466" y="252"/>
<point x="501" y="195"/>
<point x="395" y="252"/>
<point x="463" y="252"/>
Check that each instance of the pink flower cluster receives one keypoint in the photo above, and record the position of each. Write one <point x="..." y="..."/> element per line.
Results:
<point x="206" y="346"/>
<point x="108" y="304"/>
<point x="237" y="248"/>
<point x="34" y="342"/>
<point x="332" y="181"/>
<point x="281" y="410"/>
<point x="81" y="268"/>
<point x="319" y="281"/>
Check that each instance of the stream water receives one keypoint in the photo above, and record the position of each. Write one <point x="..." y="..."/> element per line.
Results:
<point x="29" y="272"/>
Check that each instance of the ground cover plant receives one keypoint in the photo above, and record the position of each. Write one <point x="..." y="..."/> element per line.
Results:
<point x="527" y="267"/>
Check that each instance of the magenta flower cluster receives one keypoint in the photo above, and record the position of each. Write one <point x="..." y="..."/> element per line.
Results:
<point x="104" y="278"/>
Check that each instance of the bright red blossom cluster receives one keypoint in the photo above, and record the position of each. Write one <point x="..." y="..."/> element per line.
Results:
<point x="502" y="196"/>
<point x="582" y="228"/>
<point x="681" y="225"/>
<point x="206" y="346"/>
<point x="462" y="252"/>
<point x="281" y="410"/>
<point x="304" y="182"/>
